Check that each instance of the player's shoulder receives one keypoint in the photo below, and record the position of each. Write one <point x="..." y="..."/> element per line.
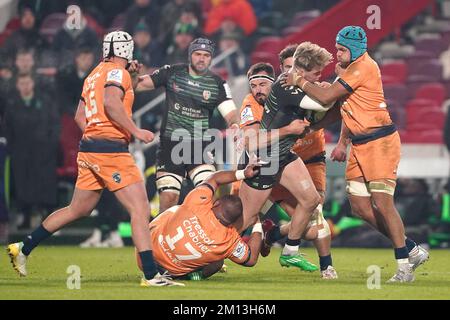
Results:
<point x="250" y="102"/>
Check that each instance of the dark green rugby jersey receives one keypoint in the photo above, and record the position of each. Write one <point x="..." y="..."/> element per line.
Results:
<point x="281" y="108"/>
<point x="190" y="100"/>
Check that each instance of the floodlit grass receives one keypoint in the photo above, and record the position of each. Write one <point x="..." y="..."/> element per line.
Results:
<point x="112" y="274"/>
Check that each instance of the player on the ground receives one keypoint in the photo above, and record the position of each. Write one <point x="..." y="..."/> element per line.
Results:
<point x="104" y="116"/>
<point x="375" y="151"/>
<point x="193" y="92"/>
<point x="191" y="241"/>
<point x="282" y="107"/>
<point x="311" y="149"/>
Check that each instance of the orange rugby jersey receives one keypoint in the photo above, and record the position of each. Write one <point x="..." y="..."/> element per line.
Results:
<point x="251" y="111"/>
<point x="311" y="145"/>
<point x="365" y="108"/>
<point x="189" y="236"/>
<point x="98" y="125"/>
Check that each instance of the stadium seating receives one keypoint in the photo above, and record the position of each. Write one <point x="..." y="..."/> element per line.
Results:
<point x="69" y="139"/>
<point x="432" y="91"/>
<point x="394" y="72"/>
<point x="51" y="25"/>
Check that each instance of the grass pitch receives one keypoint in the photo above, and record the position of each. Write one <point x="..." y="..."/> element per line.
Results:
<point x="112" y="274"/>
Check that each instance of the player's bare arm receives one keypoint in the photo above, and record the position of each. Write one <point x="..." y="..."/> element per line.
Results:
<point x="324" y="96"/>
<point x="115" y="110"/>
<point x="254" y="243"/>
<point x="339" y="153"/>
<point x="225" y="177"/>
<point x="145" y="83"/>
<point x="134" y="68"/>
<point x="80" y="116"/>
<point x="256" y="139"/>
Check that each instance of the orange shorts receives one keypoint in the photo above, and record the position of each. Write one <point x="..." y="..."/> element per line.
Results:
<point x="317" y="171"/>
<point x="106" y="170"/>
<point x="375" y="160"/>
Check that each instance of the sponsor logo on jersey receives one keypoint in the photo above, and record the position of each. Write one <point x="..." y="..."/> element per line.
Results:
<point x="192" y="83"/>
<point x="247" y="115"/>
<point x="206" y="94"/>
<point x="116" y="177"/>
<point x="115" y="75"/>
<point x="239" y="250"/>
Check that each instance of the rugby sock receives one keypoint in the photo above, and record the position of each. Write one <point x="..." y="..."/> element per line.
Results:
<point x="401" y="254"/>
<point x="282" y="214"/>
<point x="411" y="245"/>
<point x="291" y="247"/>
<point x="325" y="261"/>
<point x="148" y="264"/>
<point x="274" y="235"/>
<point x="33" y="240"/>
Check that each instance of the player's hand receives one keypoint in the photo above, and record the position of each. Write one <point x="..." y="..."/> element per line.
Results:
<point x="323" y="84"/>
<point x="298" y="127"/>
<point x="144" y="135"/>
<point x="135" y="67"/>
<point x="339" y="153"/>
<point x="338" y="69"/>
<point x="289" y="79"/>
<point x="251" y="170"/>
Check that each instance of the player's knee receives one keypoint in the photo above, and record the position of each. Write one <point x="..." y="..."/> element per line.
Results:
<point x="311" y="233"/>
<point x="311" y="203"/>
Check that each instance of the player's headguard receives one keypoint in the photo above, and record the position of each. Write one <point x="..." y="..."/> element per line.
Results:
<point x="118" y="44"/>
<point x="354" y="39"/>
<point x="201" y="44"/>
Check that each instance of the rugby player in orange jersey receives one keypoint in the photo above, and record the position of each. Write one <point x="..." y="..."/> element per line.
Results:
<point x="375" y="151"/>
<point x="104" y="115"/>
<point x="191" y="241"/>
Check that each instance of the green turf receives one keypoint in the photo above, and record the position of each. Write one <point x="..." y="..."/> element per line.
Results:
<point x="112" y="274"/>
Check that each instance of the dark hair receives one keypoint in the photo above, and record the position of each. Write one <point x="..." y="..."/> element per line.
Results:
<point x="261" y="67"/>
<point x="232" y="207"/>
<point x="287" y="52"/>
<point x="25" y="51"/>
<point x="83" y="50"/>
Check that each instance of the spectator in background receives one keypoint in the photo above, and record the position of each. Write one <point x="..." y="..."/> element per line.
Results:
<point x="416" y="206"/>
<point x="25" y="64"/>
<point x="32" y="131"/>
<point x="172" y="12"/>
<point x="143" y="11"/>
<point x="238" y="12"/>
<point x="445" y="61"/>
<point x="69" y="80"/>
<point x="262" y="7"/>
<point x="178" y="51"/>
<point x="70" y="39"/>
<point x="147" y="49"/>
<point x="6" y="78"/>
<point x="4" y="219"/>
<point x="26" y="37"/>
<point x="238" y="61"/>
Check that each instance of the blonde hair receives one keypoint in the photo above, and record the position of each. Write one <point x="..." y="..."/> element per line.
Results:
<point x="309" y="55"/>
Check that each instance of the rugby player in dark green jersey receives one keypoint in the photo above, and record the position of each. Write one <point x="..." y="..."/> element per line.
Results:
<point x="283" y="106"/>
<point x="193" y="92"/>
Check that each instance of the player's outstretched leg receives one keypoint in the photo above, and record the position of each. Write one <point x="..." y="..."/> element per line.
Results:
<point x="82" y="204"/>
